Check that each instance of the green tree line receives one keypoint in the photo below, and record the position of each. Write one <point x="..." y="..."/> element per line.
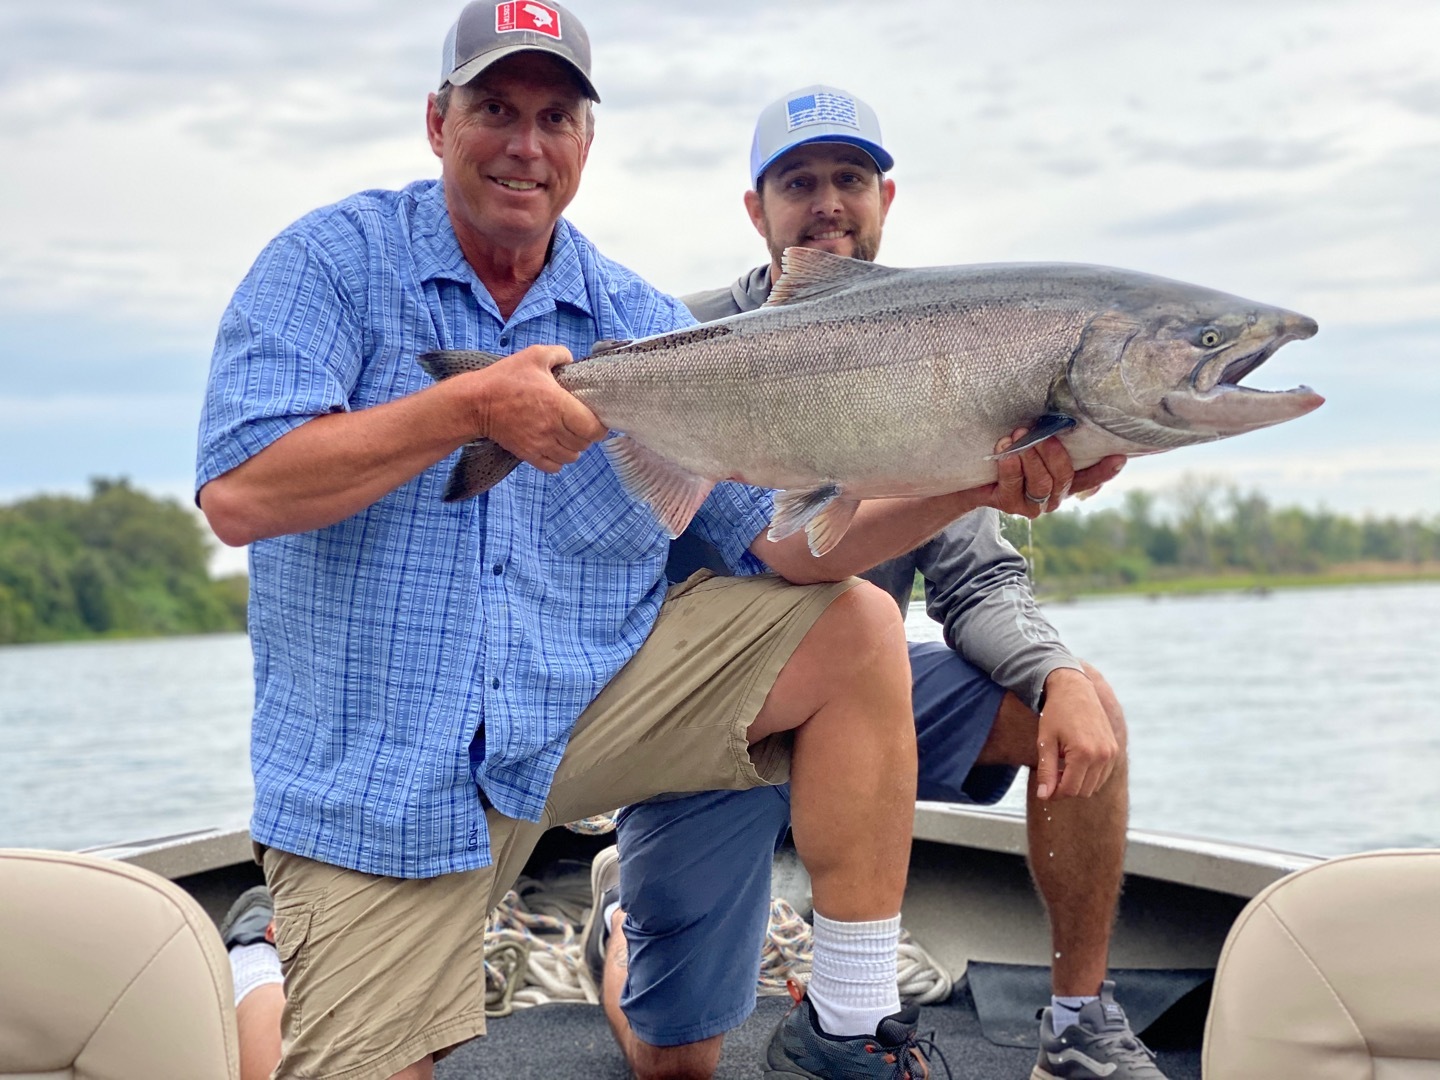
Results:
<point x="1203" y="529"/>
<point x="118" y="563"/>
<point x="124" y="563"/>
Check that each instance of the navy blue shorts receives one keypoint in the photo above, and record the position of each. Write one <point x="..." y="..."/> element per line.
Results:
<point x="695" y="869"/>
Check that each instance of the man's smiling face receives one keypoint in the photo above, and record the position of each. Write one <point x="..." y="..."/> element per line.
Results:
<point x="822" y="195"/>
<point x="513" y="143"/>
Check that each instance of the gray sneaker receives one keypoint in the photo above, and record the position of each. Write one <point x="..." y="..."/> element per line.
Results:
<point x="249" y="918"/>
<point x="604" y="891"/>
<point x="800" y="1050"/>
<point x="1099" y="1046"/>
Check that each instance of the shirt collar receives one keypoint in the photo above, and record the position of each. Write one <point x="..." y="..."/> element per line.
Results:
<point x="438" y="256"/>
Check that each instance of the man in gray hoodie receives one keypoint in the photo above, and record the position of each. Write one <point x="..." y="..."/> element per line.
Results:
<point x="692" y="877"/>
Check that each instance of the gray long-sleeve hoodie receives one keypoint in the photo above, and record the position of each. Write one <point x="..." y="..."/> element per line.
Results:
<point x="975" y="582"/>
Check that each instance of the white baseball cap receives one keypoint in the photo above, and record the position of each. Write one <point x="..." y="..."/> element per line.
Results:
<point x="815" y="114"/>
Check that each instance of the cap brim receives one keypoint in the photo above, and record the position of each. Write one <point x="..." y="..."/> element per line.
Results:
<point x="471" y="68"/>
<point x="877" y="153"/>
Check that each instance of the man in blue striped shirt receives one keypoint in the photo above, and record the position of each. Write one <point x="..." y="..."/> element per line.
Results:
<point x="436" y="683"/>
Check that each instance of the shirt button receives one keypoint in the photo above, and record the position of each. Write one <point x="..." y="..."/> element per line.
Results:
<point x="504" y="342"/>
<point x="494" y="684"/>
<point x="497" y="569"/>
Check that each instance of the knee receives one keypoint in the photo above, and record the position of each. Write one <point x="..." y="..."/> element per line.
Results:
<point x="865" y="626"/>
<point x="692" y="1061"/>
<point x="1111" y="704"/>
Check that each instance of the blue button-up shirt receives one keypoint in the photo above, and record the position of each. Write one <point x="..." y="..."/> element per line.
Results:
<point x="384" y="642"/>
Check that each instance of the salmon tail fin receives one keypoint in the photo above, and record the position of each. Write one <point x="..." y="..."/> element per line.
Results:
<point x="821" y="512"/>
<point x="672" y="493"/>
<point x="609" y="345"/>
<point x="1047" y="427"/>
<point x="482" y="465"/>
<point x="443" y="363"/>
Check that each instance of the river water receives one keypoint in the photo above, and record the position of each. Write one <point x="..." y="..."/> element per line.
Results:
<point x="1299" y="720"/>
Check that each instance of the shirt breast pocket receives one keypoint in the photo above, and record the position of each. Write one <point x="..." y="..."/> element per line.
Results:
<point x="589" y="516"/>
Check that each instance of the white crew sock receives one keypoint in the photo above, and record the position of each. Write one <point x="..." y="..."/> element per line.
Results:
<point x="254" y="966"/>
<point x="852" y="975"/>
<point x="607" y="920"/>
<point x="1065" y="1011"/>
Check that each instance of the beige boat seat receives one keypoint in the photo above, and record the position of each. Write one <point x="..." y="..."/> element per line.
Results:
<point x="109" y="972"/>
<point x="1333" y="973"/>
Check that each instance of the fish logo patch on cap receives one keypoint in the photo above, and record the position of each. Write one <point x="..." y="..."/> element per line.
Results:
<point x="517" y="15"/>
<point x="822" y="107"/>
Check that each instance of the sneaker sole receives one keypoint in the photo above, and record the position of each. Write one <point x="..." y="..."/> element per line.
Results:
<point x="785" y="1070"/>
<point x="240" y="907"/>
<point x="597" y="869"/>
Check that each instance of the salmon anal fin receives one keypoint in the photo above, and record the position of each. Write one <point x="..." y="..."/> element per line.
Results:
<point x="821" y="512"/>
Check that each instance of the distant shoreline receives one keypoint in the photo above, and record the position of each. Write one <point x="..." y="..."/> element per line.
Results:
<point x="1254" y="584"/>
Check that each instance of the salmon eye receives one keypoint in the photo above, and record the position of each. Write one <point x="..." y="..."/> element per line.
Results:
<point x="1209" y="337"/>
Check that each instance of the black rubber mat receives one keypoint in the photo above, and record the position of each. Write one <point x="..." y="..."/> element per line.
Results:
<point x="573" y="1042"/>
<point x="1006" y="995"/>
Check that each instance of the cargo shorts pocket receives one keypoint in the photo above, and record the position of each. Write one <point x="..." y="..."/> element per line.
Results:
<point x="292" y="932"/>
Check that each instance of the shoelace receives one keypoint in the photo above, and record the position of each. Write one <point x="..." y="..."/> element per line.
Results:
<point x="921" y="1048"/>
<point x="1126" y="1047"/>
<point x="912" y="1047"/>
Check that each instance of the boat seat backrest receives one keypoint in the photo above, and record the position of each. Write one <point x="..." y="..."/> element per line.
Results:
<point x="109" y="972"/>
<point x="1333" y="973"/>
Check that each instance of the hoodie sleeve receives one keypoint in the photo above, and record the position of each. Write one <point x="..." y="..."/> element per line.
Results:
<point x="976" y="588"/>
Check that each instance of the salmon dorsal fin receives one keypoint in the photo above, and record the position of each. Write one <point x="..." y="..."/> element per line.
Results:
<point x="806" y="274"/>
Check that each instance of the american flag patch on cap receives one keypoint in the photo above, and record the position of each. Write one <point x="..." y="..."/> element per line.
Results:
<point x="822" y="107"/>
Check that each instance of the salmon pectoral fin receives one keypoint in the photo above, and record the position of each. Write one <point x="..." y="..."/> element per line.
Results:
<point x="1047" y="427"/>
<point x="482" y="465"/>
<point x="672" y="493"/>
<point x="820" y="511"/>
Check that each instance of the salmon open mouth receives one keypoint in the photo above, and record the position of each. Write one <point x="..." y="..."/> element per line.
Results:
<point x="1230" y="375"/>
<point x="1237" y="369"/>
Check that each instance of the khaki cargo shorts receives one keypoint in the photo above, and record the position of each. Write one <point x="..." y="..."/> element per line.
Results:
<point x="380" y="972"/>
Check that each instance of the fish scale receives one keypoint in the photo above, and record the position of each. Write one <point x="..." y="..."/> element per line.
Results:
<point x="859" y="381"/>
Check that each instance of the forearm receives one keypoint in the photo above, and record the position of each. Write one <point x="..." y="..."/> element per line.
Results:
<point x="334" y="466"/>
<point x="977" y="588"/>
<point x="882" y="529"/>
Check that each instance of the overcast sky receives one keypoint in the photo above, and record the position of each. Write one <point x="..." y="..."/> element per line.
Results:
<point x="1285" y="151"/>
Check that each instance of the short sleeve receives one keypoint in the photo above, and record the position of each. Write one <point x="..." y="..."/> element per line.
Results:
<point x="288" y="349"/>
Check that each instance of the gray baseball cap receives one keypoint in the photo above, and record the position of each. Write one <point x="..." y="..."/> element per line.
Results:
<point x="487" y="32"/>
<point x="815" y="114"/>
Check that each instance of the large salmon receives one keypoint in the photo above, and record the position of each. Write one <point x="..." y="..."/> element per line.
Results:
<point x="858" y="381"/>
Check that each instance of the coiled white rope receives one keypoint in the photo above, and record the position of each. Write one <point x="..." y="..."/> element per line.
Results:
<point x="532" y="945"/>
<point x="786" y="957"/>
<point x="533" y="951"/>
<point x="595" y="826"/>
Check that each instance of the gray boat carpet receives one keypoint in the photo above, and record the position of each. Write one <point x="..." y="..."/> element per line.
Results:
<point x="1006" y="996"/>
<point x="573" y="1042"/>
